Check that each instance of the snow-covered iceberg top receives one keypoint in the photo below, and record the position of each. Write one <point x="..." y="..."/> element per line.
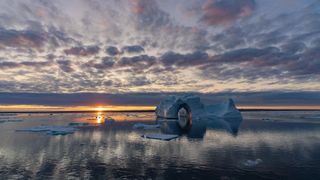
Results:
<point x="188" y="110"/>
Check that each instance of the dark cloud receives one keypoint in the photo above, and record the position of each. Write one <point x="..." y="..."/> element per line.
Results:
<point x="216" y="12"/>
<point x="246" y="54"/>
<point x="104" y="64"/>
<point x="294" y="62"/>
<point x="60" y="37"/>
<point x="177" y="59"/>
<point x="65" y="65"/>
<point x="82" y="51"/>
<point x="152" y="99"/>
<point x="138" y="81"/>
<point x="112" y="51"/>
<point x="26" y="38"/>
<point x="133" y="49"/>
<point x="294" y="47"/>
<point x="140" y="62"/>
<point x="31" y="64"/>
<point x="108" y="83"/>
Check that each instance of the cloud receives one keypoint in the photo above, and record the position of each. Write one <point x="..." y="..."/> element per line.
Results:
<point x="196" y="58"/>
<point x="152" y="99"/>
<point x="217" y="12"/>
<point x="137" y="81"/>
<point x="29" y="64"/>
<point x="156" y="38"/>
<point x="82" y="51"/>
<point x="140" y="62"/>
<point x="105" y="63"/>
<point x="149" y="15"/>
<point x="24" y="38"/>
<point x="133" y="49"/>
<point x="65" y="65"/>
<point x="296" y="62"/>
<point x="112" y="51"/>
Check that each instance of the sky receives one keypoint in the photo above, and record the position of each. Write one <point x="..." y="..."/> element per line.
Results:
<point x="136" y="52"/>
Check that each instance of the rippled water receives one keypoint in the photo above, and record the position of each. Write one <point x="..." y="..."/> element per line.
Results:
<point x="288" y="144"/>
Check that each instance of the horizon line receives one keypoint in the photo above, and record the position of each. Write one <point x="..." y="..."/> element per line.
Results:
<point x="108" y="111"/>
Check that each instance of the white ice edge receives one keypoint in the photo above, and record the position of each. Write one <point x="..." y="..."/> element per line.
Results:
<point x="165" y="137"/>
<point x="51" y="130"/>
<point x="146" y="126"/>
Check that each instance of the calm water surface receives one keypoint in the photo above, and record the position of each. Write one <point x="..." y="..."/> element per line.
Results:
<point x="288" y="144"/>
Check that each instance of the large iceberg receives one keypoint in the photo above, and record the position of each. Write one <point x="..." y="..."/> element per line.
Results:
<point x="188" y="111"/>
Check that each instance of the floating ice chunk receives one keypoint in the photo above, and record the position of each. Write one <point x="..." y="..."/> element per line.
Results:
<point x="146" y="126"/>
<point x="10" y="120"/>
<point x="8" y="114"/>
<point x="164" y="137"/>
<point x="252" y="163"/>
<point x="267" y="120"/>
<point x="14" y="120"/>
<point x="56" y="133"/>
<point x="78" y="124"/>
<point x="51" y="130"/>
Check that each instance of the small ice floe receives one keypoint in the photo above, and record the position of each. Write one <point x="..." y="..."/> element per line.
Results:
<point x="267" y="120"/>
<point x="252" y="163"/>
<point x="146" y="126"/>
<point x="10" y="120"/>
<point x="50" y="130"/>
<point x="14" y="120"/>
<point x="164" y="137"/>
<point x="8" y="114"/>
<point x="78" y="124"/>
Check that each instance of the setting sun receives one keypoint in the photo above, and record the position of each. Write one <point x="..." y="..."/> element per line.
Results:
<point x="101" y="109"/>
<point x="99" y="117"/>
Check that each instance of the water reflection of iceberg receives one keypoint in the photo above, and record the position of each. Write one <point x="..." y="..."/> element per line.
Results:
<point x="188" y="115"/>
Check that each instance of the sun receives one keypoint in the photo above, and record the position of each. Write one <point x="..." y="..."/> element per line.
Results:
<point x="100" y="108"/>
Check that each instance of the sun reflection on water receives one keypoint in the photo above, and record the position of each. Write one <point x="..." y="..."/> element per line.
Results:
<point x="99" y="117"/>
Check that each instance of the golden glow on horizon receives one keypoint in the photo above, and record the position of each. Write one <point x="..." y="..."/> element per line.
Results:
<point x="101" y="109"/>
<point x="75" y="108"/>
<point x="17" y="108"/>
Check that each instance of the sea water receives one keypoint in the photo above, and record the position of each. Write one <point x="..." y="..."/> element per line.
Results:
<point x="268" y="145"/>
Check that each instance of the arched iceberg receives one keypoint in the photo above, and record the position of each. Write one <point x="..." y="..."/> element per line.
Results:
<point x="188" y="111"/>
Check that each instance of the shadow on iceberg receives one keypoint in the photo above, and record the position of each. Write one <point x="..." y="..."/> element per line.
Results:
<point x="188" y="115"/>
